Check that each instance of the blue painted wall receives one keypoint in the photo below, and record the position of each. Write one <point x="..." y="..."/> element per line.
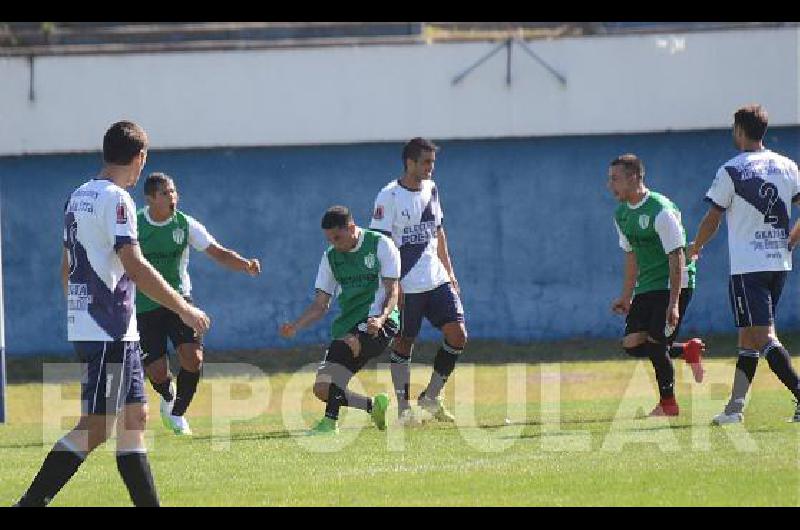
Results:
<point x="528" y="221"/>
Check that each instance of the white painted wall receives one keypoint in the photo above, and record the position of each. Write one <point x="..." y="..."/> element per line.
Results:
<point x="391" y="93"/>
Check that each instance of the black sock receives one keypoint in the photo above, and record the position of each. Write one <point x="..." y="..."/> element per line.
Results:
<point x="676" y="350"/>
<point x="401" y="379"/>
<point x="781" y="363"/>
<point x="164" y="389"/>
<point x="58" y="467"/>
<point x="187" y="385"/>
<point x="443" y="365"/>
<point x="135" y="471"/>
<point x="336" y="400"/>
<point x="745" y="371"/>
<point x="665" y="373"/>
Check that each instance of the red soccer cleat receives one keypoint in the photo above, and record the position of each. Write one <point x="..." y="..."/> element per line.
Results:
<point x="665" y="407"/>
<point x="693" y="354"/>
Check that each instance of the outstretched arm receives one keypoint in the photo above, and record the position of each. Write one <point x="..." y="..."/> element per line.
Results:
<point x="705" y="232"/>
<point x="392" y="287"/>
<point x="313" y="312"/>
<point x="232" y="260"/>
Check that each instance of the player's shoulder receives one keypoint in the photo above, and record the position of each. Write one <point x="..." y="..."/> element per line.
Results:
<point x="661" y="201"/>
<point x="390" y="188"/>
<point x="377" y="236"/>
<point x="782" y="159"/>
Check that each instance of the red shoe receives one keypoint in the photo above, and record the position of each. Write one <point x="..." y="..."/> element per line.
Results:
<point x="665" y="407"/>
<point x="693" y="354"/>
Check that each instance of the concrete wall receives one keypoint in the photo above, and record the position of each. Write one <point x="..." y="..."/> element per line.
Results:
<point x="391" y="93"/>
<point x="528" y="221"/>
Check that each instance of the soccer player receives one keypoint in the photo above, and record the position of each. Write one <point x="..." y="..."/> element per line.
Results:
<point x="362" y="268"/>
<point x="657" y="282"/>
<point x="409" y="211"/>
<point x="101" y="267"/>
<point x="165" y="234"/>
<point x="755" y="190"/>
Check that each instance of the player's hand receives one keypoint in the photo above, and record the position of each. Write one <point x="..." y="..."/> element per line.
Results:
<point x="253" y="267"/>
<point x="196" y="319"/>
<point x="455" y="285"/>
<point x="692" y="252"/>
<point x="288" y="330"/>
<point x="620" y="306"/>
<point x="374" y="325"/>
<point x="673" y="315"/>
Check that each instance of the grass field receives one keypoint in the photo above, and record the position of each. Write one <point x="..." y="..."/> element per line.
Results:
<point x="544" y="434"/>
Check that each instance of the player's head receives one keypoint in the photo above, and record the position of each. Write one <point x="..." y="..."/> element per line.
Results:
<point x="339" y="228"/>
<point x="161" y="193"/>
<point x="419" y="156"/>
<point x="625" y="176"/>
<point x="125" y="144"/>
<point x="749" y="126"/>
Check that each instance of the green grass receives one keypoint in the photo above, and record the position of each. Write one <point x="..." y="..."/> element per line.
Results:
<point x="573" y="439"/>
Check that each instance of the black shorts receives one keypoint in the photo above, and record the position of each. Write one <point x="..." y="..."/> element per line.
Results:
<point x="111" y="376"/>
<point x="156" y="326"/>
<point x="338" y="358"/>
<point x="754" y="297"/>
<point x="648" y="313"/>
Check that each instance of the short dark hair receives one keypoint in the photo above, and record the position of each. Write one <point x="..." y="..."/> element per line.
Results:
<point x="154" y="181"/>
<point x="336" y="217"/>
<point x="631" y="164"/>
<point x="415" y="147"/>
<point x="122" y="142"/>
<point x="753" y="120"/>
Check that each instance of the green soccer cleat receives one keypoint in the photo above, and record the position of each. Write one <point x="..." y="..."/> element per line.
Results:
<point x="435" y="407"/>
<point x="325" y="426"/>
<point x="380" y="404"/>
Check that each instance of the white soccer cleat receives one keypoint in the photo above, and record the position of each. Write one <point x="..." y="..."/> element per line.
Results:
<point x="724" y="419"/>
<point x="407" y="418"/>
<point x="179" y="425"/>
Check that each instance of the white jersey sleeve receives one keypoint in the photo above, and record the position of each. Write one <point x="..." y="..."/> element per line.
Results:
<point x="325" y="279"/>
<point x="624" y="244"/>
<point x="722" y="191"/>
<point x="383" y="214"/>
<point x="389" y="257"/>
<point x="120" y="219"/>
<point x="669" y="230"/>
<point x="199" y="237"/>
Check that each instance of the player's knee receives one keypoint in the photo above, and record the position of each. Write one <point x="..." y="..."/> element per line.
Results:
<point x="321" y="391"/>
<point x="456" y="335"/>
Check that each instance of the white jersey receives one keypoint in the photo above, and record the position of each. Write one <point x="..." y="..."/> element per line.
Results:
<point x="413" y="218"/>
<point x="99" y="218"/>
<point x="389" y="259"/>
<point x="757" y="189"/>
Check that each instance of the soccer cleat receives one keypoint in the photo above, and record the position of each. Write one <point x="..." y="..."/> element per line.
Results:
<point x="435" y="407"/>
<point x="380" y="404"/>
<point x="325" y="426"/>
<point x="179" y="425"/>
<point x="408" y="419"/>
<point x="723" y="418"/>
<point x="796" y="417"/>
<point x="693" y="354"/>
<point x="665" y="408"/>
<point x="166" y="408"/>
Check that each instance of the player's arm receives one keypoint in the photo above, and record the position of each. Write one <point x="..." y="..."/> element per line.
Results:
<point x="444" y="256"/>
<point x="65" y="270"/>
<point x="313" y="312"/>
<point x="677" y="262"/>
<point x="622" y="305"/>
<point x="705" y="231"/>
<point x="389" y="258"/>
<point x="794" y="233"/>
<point x="151" y="283"/>
<point x="232" y="260"/>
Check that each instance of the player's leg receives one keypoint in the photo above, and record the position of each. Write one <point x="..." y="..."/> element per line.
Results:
<point x="634" y="341"/>
<point x="752" y="304"/>
<point x="341" y="361"/>
<point x="657" y="346"/>
<point x="102" y="368"/>
<point x="692" y="350"/>
<point x="189" y="347"/>
<point x="444" y="311"/>
<point x="402" y="348"/>
<point x="132" y="462"/>
<point x="153" y="341"/>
